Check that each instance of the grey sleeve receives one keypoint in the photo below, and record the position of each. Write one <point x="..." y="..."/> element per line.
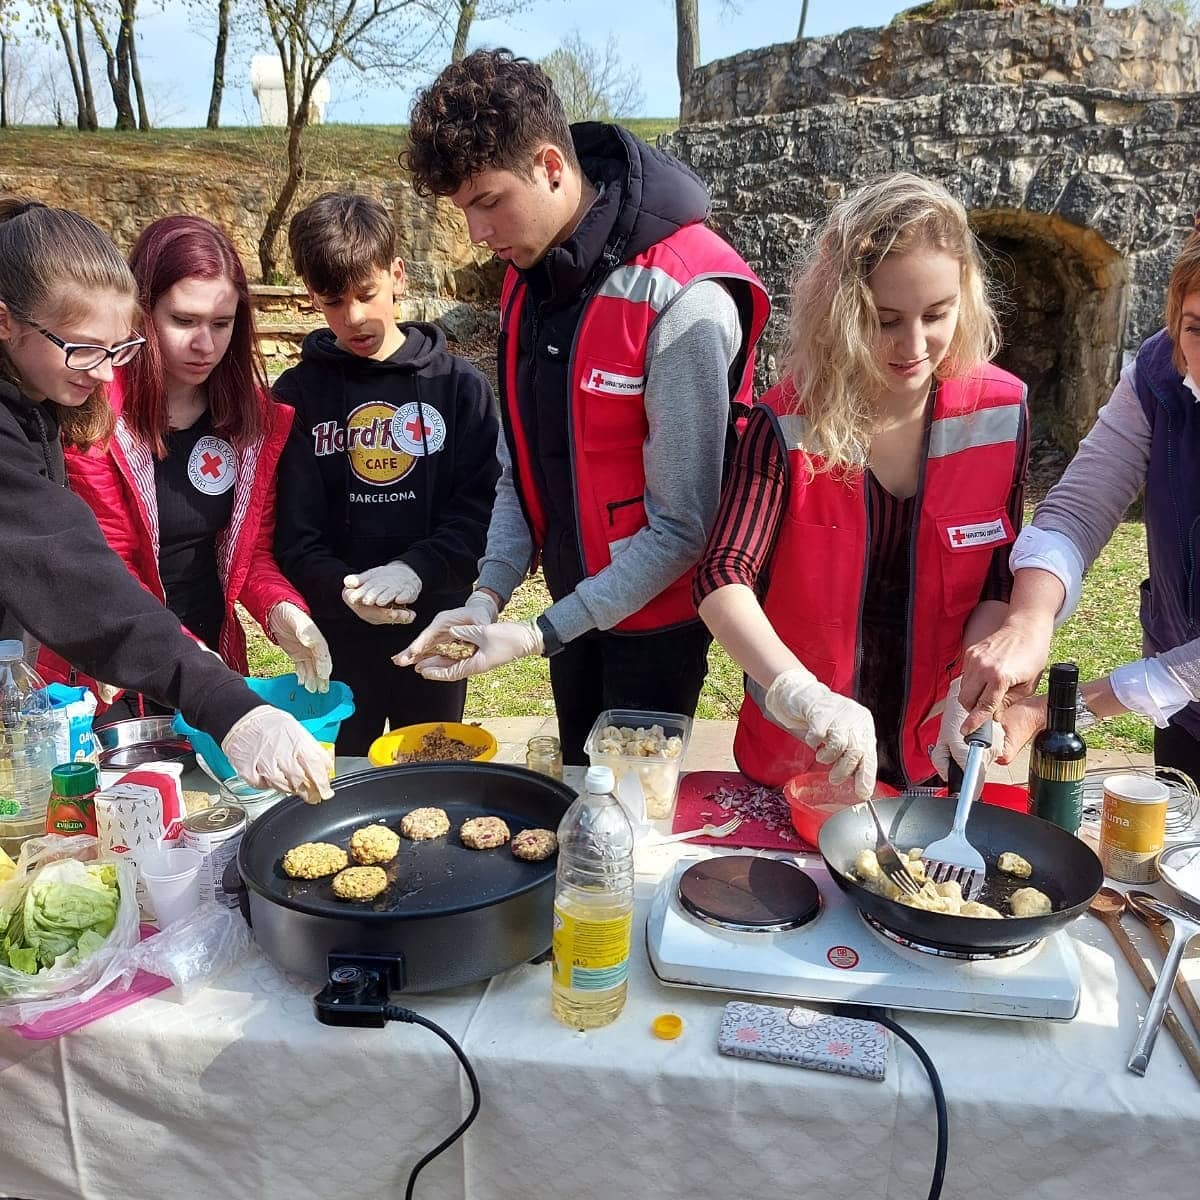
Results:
<point x="690" y="352"/>
<point x="1107" y="472"/>
<point x="509" y="550"/>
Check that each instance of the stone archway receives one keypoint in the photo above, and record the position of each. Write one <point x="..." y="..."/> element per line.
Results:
<point x="1062" y="310"/>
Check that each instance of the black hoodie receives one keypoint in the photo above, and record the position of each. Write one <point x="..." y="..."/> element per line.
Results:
<point x="60" y="582"/>
<point x="387" y="460"/>
<point x="644" y="196"/>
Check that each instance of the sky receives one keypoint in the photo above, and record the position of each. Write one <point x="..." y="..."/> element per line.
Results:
<point x="176" y="51"/>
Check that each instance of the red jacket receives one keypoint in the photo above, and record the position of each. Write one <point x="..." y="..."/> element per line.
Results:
<point x="117" y="483"/>
<point x="606" y="419"/>
<point x="818" y="565"/>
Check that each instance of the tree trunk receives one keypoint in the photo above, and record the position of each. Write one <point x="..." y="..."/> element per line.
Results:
<point x="69" y="50"/>
<point x="134" y="69"/>
<point x="122" y="97"/>
<point x="92" y="121"/>
<point x="803" y="19"/>
<point x="218" y="83"/>
<point x="3" y="81"/>
<point x="687" y="43"/>
<point x="287" y="193"/>
<point x="466" y="15"/>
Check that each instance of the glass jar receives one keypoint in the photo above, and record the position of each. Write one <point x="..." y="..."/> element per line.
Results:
<point x="544" y="754"/>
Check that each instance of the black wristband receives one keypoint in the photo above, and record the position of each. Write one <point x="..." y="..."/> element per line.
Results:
<point x="551" y="642"/>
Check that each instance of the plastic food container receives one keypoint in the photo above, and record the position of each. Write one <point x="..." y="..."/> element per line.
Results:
<point x="383" y="750"/>
<point x="647" y="780"/>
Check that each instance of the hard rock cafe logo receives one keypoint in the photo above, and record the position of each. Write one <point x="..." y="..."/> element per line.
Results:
<point x="368" y="442"/>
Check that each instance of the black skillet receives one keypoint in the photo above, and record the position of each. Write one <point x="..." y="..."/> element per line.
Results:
<point x="1064" y="867"/>
<point x="453" y="914"/>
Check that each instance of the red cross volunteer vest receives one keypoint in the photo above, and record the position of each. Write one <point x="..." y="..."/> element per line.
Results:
<point x="814" y="599"/>
<point x="606" y="415"/>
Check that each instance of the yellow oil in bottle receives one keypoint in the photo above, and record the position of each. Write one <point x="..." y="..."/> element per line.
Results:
<point x="592" y="935"/>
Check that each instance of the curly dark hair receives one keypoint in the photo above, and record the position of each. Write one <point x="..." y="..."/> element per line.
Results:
<point x="489" y="111"/>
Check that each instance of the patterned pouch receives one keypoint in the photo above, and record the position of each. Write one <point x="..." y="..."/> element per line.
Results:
<point x="799" y="1037"/>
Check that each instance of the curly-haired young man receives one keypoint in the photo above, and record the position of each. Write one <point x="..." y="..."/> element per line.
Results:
<point x="627" y="330"/>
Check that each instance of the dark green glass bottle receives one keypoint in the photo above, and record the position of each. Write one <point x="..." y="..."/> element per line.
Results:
<point x="1058" y="758"/>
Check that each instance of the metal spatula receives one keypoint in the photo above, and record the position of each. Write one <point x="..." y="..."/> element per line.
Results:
<point x="953" y="858"/>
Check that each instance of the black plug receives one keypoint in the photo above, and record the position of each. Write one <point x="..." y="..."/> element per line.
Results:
<point x="358" y="989"/>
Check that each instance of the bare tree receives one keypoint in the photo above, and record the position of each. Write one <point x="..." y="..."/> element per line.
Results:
<point x="8" y="21"/>
<point x="592" y="83"/>
<point x="803" y="19"/>
<point x="218" y="79"/>
<point x="687" y="42"/>
<point x="310" y="36"/>
<point x="464" y="13"/>
<point x="120" y="59"/>
<point x="66" y="18"/>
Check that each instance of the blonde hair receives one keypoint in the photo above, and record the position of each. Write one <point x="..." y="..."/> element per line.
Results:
<point x="1185" y="279"/>
<point x="54" y="261"/>
<point x="830" y="359"/>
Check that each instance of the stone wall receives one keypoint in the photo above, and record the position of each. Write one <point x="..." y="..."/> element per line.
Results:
<point x="1085" y="194"/>
<point x="1128" y="49"/>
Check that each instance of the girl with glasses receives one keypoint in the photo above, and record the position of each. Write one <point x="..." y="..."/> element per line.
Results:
<point x="60" y="584"/>
<point x="184" y="490"/>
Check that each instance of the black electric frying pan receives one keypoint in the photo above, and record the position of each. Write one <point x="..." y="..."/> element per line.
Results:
<point x="1064" y="867"/>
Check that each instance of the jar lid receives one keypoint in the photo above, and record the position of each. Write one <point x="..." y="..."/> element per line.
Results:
<point x="74" y="779"/>
<point x="667" y="1026"/>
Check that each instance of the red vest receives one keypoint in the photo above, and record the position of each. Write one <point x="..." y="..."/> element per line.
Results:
<point x="606" y="417"/>
<point x="818" y="565"/>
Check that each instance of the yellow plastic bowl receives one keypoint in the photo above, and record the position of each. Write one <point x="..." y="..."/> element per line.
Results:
<point x="383" y="749"/>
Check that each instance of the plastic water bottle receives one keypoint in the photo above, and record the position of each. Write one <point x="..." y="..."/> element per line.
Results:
<point x="593" y="907"/>
<point x="27" y="748"/>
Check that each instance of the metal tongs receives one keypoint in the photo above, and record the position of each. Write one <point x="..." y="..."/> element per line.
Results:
<point x="953" y="858"/>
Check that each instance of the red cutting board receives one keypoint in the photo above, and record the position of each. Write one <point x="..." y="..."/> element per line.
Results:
<point x="693" y="808"/>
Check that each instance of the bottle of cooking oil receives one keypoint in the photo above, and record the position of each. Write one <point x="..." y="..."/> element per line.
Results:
<point x="593" y="907"/>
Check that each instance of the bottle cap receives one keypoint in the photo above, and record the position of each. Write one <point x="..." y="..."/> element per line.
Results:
<point x="599" y="779"/>
<point x="1064" y="674"/>
<point x="74" y="779"/>
<point x="667" y="1026"/>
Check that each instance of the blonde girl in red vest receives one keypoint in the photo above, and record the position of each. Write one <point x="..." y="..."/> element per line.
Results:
<point x="184" y="489"/>
<point x="863" y="534"/>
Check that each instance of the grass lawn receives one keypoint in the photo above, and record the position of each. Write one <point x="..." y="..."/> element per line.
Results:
<point x="1103" y="633"/>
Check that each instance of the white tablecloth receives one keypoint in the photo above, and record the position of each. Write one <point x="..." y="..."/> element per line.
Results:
<point x="240" y="1092"/>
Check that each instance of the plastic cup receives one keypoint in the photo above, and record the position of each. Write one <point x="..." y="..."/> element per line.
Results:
<point x="173" y="881"/>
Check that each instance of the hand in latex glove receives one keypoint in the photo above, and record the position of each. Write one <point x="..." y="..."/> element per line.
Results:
<point x="106" y="693"/>
<point x="393" y="583"/>
<point x="840" y="730"/>
<point x="480" y="609"/>
<point x="500" y="643"/>
<point x="301" y="640"/>
<point x="951" y="742"/>
<point x="270" y="748"/>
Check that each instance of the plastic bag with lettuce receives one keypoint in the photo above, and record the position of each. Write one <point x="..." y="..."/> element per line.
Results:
<point x="66" y="922"/>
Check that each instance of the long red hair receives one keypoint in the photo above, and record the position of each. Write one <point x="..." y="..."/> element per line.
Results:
<point x="186" y="247"/>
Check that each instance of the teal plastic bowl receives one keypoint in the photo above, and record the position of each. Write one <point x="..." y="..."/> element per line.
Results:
<point x="321" y="713"/>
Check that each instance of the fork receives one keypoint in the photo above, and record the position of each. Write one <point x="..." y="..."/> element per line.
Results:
<point x="709" y="830"/>
<point x="953" y="859"/>
<point x="890" y="862"/>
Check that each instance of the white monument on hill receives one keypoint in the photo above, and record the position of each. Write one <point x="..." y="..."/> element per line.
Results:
<point x="266" y="81"/>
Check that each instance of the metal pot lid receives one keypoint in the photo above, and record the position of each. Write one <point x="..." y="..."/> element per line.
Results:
<point x="433" y="878"/>
<point x="1179" y="865"/>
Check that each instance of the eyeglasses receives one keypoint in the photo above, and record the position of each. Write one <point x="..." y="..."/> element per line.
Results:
<point x="83" y="356"/>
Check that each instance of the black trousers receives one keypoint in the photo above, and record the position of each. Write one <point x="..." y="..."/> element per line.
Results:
<point x="385" y="692"/>
<point x="1175" y="747"/>
<point x="656" y="672"/>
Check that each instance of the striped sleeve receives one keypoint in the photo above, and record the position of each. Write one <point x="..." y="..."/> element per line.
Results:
<point x="751" y="509"/>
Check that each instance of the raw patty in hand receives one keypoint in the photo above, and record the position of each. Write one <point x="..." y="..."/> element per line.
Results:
<point x="424" y="823"/>
<point x="314" y="860"/>
<point x="453" y="648"/>
<point x="374" y="844"/>
<point x="483" y="833"/>
<point x="534" y="845"/>
<point x="359" y="883"/>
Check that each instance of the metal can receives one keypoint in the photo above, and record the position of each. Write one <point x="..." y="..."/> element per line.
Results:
<point x="215" y="832"/>
<point x="1133" y="827"/>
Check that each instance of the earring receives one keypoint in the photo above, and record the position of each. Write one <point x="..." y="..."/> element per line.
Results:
<point x="554" y="185"/>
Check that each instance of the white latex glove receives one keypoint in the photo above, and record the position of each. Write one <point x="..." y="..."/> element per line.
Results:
<point x="301" y="640"/>
<point x="951" y="743"/>
<point x="270" y="748"/>
<point x="500" y="643"/>
<point x="480" y="609"/>
<point x="841" y="730"/>
<point x="393" y="583"/>
<point x="106" y="693"/>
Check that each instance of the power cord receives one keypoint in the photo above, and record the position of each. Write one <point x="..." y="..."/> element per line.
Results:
<point x="393" y="1012"/>
<point x="935" y="1084"/>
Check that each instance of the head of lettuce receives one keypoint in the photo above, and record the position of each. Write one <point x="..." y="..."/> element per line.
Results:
<point x="64" y="914"/>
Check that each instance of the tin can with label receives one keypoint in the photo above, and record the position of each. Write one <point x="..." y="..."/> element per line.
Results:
<point x="215" y="832"/>
<point x="1133" y="827"/>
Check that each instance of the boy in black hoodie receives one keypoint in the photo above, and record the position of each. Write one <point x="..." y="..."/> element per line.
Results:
<point x="387" y="482"/>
